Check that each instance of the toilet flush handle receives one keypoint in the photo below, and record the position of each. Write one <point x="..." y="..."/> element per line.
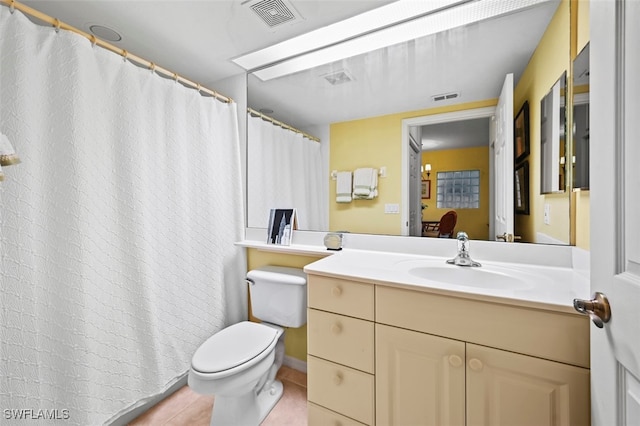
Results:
<point x="250" y="281"/>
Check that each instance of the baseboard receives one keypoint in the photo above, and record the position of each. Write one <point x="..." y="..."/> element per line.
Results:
<point x="295" y="363"/>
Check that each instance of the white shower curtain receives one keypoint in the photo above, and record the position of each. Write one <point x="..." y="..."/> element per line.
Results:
<point x="117" y="230"/>
<point x="285" y="170"/>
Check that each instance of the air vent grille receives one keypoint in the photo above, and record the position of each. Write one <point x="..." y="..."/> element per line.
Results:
<point x="338" y="77"/>
<point x="445" y="96"/>
<point x="273" y="12"/>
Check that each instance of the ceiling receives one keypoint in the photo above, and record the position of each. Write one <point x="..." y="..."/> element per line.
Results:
<point x="198" y="40"/>
<point x="471" y="61"/>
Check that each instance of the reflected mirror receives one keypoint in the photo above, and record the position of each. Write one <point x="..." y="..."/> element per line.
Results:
<point x="553" y="138"/>
<point x="581" y="120"/>
<point x="355" y="108"/>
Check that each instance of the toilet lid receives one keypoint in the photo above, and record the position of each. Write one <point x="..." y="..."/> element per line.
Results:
<point x="233" y="346"/>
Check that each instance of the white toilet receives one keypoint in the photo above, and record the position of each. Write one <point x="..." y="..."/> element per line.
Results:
<point x="239" y="363"/>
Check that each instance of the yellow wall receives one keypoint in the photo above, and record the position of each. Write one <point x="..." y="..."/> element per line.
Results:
<point x="295" y="338"/>
<point x="549" y="61"/>
<point x="475" y="222"/>
<point x="374" y="142"/>
<point x="582" y="29"/>
<point x="583" y="220"/>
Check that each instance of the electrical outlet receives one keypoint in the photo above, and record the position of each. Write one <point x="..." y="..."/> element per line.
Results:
<point x="547" y="214"/>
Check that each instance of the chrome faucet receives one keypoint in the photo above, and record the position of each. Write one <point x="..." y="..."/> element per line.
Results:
<point x="463" y="258"/>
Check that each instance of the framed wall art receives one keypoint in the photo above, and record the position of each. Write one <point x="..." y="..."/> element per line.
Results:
<point x="425" y="190"/>
<point x="521" y="133"/>
<point x="521" y="188"/>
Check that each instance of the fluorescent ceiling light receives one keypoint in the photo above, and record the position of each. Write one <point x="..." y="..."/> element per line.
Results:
<point x="360" y="24"/>
<point x="443" y="20"/>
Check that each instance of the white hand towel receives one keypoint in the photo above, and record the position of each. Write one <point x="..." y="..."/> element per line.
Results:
<point x="343" y="187"/>
<point x="367" y="187"/>
<point x="362" y="180"/>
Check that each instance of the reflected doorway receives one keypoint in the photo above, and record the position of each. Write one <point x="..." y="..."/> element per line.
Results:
<point x="465" y="136"/>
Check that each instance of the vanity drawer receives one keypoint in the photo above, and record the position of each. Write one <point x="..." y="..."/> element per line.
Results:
<point x="341" y="389"/>
<point x="551" y="335"/>
<point x="341" y="296"/>
<point x="341" y="339"/>
<point x="320" y="416"/>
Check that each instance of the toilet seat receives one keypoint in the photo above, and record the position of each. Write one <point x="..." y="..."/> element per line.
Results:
<point x="240" y="345"/>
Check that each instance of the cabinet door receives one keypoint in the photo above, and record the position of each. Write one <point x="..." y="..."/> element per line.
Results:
<point x="419" y="378"/>
<point x="505" y="388"/>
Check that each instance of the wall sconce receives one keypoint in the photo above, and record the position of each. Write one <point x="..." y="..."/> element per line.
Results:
<point x="426" y="168"/>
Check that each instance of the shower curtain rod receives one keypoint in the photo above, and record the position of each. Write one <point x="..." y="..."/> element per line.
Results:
<point x="281" y="124"/>
<point x="57" y="24"/>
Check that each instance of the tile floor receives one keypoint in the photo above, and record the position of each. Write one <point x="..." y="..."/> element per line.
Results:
<point x="186" y="407"/>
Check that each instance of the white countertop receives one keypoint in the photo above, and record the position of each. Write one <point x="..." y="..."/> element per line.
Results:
<point x="543" y="287"/>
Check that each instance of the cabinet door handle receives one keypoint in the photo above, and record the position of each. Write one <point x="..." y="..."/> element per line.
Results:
<point x="455" y="360"/>
<point x="336" y="291"/>
<point x="336" y="328"/>
<point x="475" y="364"/>
<point x="337" y="378"/>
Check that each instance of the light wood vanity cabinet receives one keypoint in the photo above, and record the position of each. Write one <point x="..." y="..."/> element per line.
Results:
<point x="414" y="358"/>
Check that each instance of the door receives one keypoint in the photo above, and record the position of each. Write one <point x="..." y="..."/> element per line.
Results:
<point x="615" y="203"/>
<point x="503" y="209"/>
<point x="415" y="180"/>
<point x="420" y="378"/>
<point x="505" y="388"/>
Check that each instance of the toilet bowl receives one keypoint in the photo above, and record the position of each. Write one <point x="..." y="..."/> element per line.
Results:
<point x="238" y="365"/>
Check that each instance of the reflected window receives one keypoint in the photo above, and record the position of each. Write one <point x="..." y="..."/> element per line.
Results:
<point x="458" y="189"/>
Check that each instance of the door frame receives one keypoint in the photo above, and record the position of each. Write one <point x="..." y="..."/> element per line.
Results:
<point x="447" y="117"/>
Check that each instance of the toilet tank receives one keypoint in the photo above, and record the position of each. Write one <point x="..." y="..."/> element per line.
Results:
<point x="279" y="295"/>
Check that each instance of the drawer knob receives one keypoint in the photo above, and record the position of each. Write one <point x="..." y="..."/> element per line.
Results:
<point x="455" y="360"/>
<point x="336" y="291"/>
<point x="336" y="328"/>
<point x="475" y="364"/>
<point x="337" y="378"/>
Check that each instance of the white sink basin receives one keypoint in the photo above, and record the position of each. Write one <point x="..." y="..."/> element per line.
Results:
<point x="485" y="276"/>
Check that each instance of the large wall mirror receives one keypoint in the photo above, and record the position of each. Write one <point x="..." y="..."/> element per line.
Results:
<point x="355" y="108"/>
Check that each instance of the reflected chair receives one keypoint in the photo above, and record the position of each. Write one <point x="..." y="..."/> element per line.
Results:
<point x="444" y="228"/>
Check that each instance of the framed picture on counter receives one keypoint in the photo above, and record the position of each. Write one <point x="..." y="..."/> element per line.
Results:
<point x="282" y="222"/>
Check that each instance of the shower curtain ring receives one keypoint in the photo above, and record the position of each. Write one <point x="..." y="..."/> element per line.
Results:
<point x="175" y="77"/>
<point x="56" y="25"/>
<point x="125" y="55"/>
<point x="94" y="40"/>
<point x="12" y="6"/>
<point x="152" y="67"/>
<point x="199" y="87"/>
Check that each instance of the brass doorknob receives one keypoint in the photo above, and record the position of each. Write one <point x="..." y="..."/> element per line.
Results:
<point x="597" y="308"/>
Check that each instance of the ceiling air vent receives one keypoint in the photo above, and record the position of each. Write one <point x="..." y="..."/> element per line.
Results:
<point x="274" y="12"/>
<point x="338" y="77"/>
<point x="445" y="96"/>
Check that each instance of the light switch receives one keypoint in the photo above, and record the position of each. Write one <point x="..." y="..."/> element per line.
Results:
<point x="392" y="208"/>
